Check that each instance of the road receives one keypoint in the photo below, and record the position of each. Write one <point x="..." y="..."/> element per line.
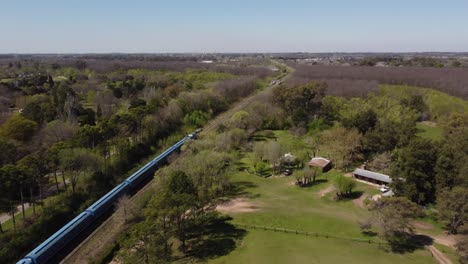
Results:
<point x="439" y="256"/>
<point x="108" y="233"/>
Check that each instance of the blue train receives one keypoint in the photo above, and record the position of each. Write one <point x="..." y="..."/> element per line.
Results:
<point x="46" y="251"/>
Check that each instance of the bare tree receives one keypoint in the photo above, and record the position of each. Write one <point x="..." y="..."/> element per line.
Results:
<point x="126" y="209"/>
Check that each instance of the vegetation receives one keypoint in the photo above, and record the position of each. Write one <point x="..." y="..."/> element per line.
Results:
<point x="81" y="124"/>
<point x="86" y="123"/>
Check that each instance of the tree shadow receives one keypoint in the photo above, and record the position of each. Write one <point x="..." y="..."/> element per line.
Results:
<point x="311" y="184"/>
<point x="239" y="188"/>
<point x="351" y="196"/>
<point x="214" y="238"/>
<point x="258" y="138"/>
<point x="369" y="233"/>
<point x="241" y="166"/>
<point x="408" y="243"/>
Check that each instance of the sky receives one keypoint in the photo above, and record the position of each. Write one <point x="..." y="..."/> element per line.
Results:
<point x="205" y="26"/>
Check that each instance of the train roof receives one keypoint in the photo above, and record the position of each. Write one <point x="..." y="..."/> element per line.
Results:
<point x="57" y="235"/>
<point x="96" y="204"/>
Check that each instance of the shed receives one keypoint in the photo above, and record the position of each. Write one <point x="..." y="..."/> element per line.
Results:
<point x="373" y="177"/>
<point x="320" y="162"/>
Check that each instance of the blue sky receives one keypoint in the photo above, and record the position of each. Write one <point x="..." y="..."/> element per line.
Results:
<point x="70" y="26"/>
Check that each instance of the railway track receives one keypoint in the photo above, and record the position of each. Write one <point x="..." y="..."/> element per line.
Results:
<point x="108" y="232"/>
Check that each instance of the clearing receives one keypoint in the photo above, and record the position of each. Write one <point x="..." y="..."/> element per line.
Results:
<point x="309" y="209"/>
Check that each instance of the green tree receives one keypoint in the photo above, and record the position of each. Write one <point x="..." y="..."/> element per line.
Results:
<point x="452" y="163"/>
<point x="344" y="186"/>
<point x="300" y="102"/>
<point x="18" y="127"/>
<point x="392" y="216"/>
<point x="8" y="151"/>
<point x="362" y="120"/>
<point x="179" y="196"/>
<point x="343" y="145"/>
<point x="453" y="208"/>
<point x="413" y="173"/>
<point x="79" y="162"/>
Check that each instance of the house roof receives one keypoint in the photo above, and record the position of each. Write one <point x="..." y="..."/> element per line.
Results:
<point x="373" y="175"/>
<point x="319" y="162"/>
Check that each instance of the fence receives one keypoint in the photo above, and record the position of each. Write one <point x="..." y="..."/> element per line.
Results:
<point x="311" y="234"/>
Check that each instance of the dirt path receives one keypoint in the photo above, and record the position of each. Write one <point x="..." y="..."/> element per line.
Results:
<point x="238" y="205"/>
<point x="5" y="217"/>
<point x="447" y="240"/>
<point x="359" y="202"/>
<point x="439" y="256"/>
<point x="324" y="192"/>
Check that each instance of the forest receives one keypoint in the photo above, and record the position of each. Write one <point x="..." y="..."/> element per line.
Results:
<point x="381" y="130"/>
<point x="71" y="128"/>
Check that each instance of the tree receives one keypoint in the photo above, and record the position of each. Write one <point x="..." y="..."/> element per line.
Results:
<point x="381" y="163"/>
<point x="344" y="186"/>
<point x="274" y="155"/>
<point x="126" y="209"/>
<point x="453" y="208"/>
<point x="79" y="162"/>
<point x="392" y="216"/>
<point x="147" y="243"/>
<point x="344" y="145"/>
<point x="179" y="196"/>
<point x="18" y="127"/>
<point x="33" y="168"/>
<point x="413" y="173"/>
<point x="8" y="151"/>
<point x="57" y="131"/>
<point x="462" y="248"/>
<point x="363" y="120"/>
<point x="300" y="102"/>
<point x="81" y="64"/>
<point x="452" y="162"/>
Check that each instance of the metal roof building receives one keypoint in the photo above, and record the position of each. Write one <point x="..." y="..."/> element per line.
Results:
<point x="371" y="176"/>
<point x="320" y="162"/>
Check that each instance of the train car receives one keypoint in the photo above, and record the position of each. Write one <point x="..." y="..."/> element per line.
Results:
<point x="25" y="261"/>
<point x="107" y="201"/>
<point x="49" y="248"/>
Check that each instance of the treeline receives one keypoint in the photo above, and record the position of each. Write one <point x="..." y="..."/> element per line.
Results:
<point x="349" y="80"/>
<point x="79" y="134"/>
<point x="106" y="65"/>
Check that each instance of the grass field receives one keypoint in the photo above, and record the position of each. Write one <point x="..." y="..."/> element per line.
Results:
<point x="284" y="205"/>
<point x="429" y="132"/>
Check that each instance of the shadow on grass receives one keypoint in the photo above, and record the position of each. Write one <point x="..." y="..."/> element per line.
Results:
<point x="239" y="188"/>
<point x="259" y="138"/>
<point x="369" y="233"/>
<point x="351" y="196"/>
<point x="408" y="243"/>
<point x="215" y="238"/>
<point x="241" y="166"/>
<point x="311" y="184"/>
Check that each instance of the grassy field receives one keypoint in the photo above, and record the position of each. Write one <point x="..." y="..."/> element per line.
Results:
<point x="429" y="132"/>
<point x="277" y="202"/>
<point x="439" y="104"/>
<point x="281" y="204"/>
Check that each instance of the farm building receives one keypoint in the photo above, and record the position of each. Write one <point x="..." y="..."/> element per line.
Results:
<point x="320" y="162"/>
<point x="372" y="177"/>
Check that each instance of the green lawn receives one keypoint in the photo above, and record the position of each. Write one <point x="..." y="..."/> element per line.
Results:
<point x="282" y="204"/>
<point x="430" y="132"/>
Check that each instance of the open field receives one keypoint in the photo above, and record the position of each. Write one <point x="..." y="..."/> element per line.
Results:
<point x="284" y="205"/>
<point x="276" y="202"/>
<point x="429" y="132"/>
